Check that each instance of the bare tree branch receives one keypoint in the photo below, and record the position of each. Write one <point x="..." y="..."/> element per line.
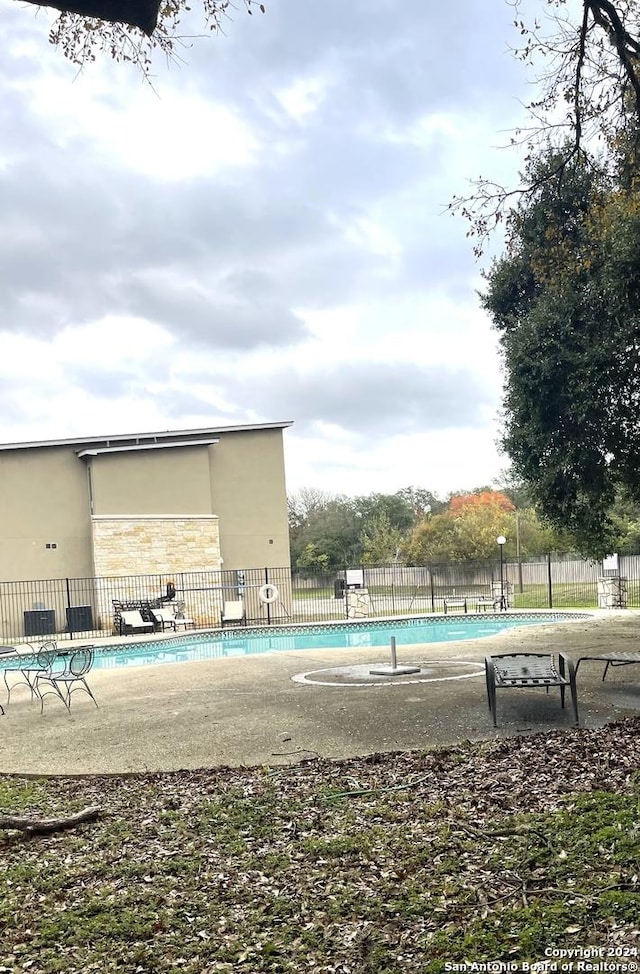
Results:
<point x="593" y="67"/>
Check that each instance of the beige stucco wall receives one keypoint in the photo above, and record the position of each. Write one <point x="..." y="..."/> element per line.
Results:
<point x="168" y="481"/>
<point x="44" y="500"/>
<point x="248" y="493"/>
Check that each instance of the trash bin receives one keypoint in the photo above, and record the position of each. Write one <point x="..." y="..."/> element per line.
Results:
<point x="338" y="588"/>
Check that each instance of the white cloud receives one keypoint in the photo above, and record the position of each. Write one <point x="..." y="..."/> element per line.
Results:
<point x="260" y="236"/>
<point x="303" y="97"/>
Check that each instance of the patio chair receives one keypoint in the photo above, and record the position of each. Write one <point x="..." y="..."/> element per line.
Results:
<point x="611" y="659"/>
<point x="233" y="614"/>
<point x="131" y="621"/>
<point x="26" y="663"/>
<point x="167" y="617"/>
<point x="530" y="670"/>
<point x="5" y="653"/>
<point x="66" y="673"/>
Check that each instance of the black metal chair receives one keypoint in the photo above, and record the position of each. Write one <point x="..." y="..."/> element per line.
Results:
<point x="528" y="671"/>
<point x="25" y="663"/>
<point x="65" y="674"/>
<point x="611" y="659"/>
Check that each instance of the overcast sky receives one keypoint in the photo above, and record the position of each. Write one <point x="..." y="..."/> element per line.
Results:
<point x="262" y="236"/>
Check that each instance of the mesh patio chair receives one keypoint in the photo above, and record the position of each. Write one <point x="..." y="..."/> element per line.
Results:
<point x="8" y="654"/>
<point x="25" y="663"/>
<point x="5" y="653"/>
<point x="66" y="673"/>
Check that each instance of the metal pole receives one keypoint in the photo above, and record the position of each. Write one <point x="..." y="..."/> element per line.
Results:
<point x="394" y="658"/>
<point x="501" y="579"/>
<point x="394" y="669"/>
<point x="549" y="580"/>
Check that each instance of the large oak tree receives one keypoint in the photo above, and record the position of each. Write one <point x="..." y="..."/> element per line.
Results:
<point x="565" y="298"/>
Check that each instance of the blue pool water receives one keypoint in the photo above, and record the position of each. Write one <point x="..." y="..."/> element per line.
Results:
<point x="199" y="646"/>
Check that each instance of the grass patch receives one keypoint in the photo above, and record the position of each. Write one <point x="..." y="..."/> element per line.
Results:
<point x="491" y="852"/>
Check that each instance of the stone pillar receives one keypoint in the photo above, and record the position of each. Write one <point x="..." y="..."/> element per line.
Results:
<point x="612" y="592"/>
<point x="359" y="603"/>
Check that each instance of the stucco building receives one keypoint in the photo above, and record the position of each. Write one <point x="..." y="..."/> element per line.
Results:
<point x="139" y="503"/>
<point x="88" y="520"/>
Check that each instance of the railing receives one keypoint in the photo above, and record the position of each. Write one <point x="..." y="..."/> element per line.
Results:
<point x="80" y="608"/>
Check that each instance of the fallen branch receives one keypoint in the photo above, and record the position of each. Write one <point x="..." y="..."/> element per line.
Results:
<point x="490" y="833"/>
<point x="42" y="826"/>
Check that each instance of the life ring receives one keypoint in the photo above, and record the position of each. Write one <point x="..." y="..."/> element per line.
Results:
<point x="268" y="593"/>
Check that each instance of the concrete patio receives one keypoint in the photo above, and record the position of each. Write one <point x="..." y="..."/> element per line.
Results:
<point x="277" y="708"/>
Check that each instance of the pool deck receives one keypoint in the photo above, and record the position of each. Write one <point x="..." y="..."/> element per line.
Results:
<point x="267" y="709"/>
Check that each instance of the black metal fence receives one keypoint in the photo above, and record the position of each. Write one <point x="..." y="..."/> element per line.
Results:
<point x="80" y="608"/>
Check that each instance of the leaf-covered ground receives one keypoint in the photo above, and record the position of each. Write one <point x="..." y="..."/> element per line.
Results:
<point x="388" y="864"/>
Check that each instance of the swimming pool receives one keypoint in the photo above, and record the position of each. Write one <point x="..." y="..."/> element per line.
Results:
<point x="345" y="635"/>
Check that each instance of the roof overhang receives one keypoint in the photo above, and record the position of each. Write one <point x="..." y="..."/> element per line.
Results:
<point x="168" y="444"/>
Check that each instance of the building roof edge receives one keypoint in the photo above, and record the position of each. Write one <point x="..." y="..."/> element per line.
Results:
<point x="158" y="437"/>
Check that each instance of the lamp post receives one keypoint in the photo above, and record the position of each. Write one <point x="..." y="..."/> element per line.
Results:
<point x="502" y="542"/>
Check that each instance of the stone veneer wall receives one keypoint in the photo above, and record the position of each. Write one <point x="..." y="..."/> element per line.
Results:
<point x="154" y="546"/>
<point x="149" y="545"/>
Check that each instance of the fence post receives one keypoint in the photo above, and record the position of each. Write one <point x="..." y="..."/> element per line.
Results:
<point x="549" y="580"/>
<point x="266" y="582"/>
<point x="68" y="614"/>
<point x="346" y="595"/>
<point x="433" y="591"/>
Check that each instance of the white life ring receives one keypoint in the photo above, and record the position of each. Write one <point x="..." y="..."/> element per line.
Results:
<point x="268" y="593"/>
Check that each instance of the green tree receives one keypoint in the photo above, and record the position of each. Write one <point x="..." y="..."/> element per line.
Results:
<point x="312" y="560"/>
<point x="625" y="518"/>
<point x="566" y="302"/>
<point x="329" y="532"/>
<point x="397" y="511"/>
<point x="465" y="532"/>
<point x="329" y="523"/>
<point x="421" y="501"/>
<point x="382" y="541"/>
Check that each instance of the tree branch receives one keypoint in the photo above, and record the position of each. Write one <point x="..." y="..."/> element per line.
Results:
<point x="620" y="38"/>
<point x="34" y="826"/>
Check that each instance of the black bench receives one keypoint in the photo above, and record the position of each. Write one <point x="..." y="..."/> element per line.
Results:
<point x="453" y="602"/>
<point x="485" y="602"/>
